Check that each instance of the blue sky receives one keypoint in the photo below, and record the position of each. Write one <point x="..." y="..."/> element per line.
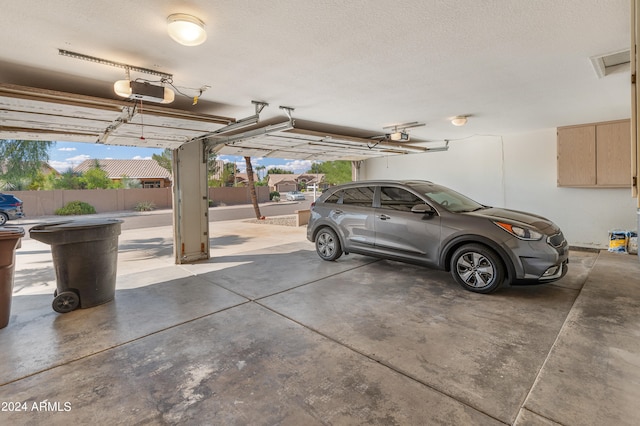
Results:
<point x="64" y="155"/>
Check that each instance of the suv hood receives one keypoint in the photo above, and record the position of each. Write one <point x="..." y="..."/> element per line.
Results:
<point x="494" y="213"/>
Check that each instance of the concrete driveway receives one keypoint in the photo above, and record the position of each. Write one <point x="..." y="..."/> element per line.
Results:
<point x="267" y="333"/>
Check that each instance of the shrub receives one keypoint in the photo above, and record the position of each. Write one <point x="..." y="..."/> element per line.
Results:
<point x="76" y="208"/>
<point x="145" y="206"/>
<point x="274" y="194"/>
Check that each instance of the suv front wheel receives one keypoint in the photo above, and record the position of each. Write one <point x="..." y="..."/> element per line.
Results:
<point x="328" y="244"/>
<point x="477" y="268"/>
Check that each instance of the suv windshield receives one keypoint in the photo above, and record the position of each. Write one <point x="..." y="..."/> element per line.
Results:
<point x="445" y="197"/>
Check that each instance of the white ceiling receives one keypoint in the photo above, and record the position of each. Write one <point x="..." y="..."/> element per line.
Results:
<point x="513" y="65"/>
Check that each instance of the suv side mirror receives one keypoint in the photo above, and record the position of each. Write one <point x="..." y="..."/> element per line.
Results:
<point x="423" y="209"/>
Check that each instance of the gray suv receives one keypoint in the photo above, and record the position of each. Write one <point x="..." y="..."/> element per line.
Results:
<point x="421" y="222"/>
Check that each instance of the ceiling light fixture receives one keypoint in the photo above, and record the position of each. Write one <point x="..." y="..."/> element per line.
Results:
<point x="186" y="29"/>
<point x="460" y="120"/>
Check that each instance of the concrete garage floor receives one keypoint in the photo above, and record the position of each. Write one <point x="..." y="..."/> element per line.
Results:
<point x="266" y="333"/>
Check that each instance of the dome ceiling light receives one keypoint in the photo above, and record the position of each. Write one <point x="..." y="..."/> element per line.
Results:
<point x="459" y="120"/>
<point x="186" y="29"/>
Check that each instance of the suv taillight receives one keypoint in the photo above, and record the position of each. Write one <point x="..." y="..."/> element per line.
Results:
<point x="313" y="204"/>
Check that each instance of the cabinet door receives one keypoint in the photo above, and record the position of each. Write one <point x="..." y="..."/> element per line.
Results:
<point x="577" y="156"/>
<point x="614" y="153"/>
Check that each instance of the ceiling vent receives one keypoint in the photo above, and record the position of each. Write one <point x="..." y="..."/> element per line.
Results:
<point x="611" y="63"/>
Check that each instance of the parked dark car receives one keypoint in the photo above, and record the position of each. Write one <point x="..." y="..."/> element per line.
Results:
<point x="10" y="208"/>
<point x="421" y="222"/>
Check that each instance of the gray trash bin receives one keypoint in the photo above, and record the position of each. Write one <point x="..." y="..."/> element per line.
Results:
<point x="9" y="242"/>
<point x="85" y="257"/>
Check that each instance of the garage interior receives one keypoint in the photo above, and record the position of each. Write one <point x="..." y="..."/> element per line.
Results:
<point x="357" y="341"/>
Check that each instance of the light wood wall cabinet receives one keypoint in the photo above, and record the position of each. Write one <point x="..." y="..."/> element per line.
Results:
<point x="595" y="155"/>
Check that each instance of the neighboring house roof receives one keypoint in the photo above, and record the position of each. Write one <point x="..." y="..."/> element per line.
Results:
<point x="46" y="169"/>
<point x="275" y="179"/>
<point x="134" y="169"/>
<point x="311" y="177"/>
<point x="244" y="177"/>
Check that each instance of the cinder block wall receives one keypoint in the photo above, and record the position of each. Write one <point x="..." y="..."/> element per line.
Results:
<point x="45" y="203"/>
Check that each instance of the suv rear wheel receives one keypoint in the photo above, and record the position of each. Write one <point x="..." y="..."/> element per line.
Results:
<point x="3" y="219"/>
<point x="328" y="244"/>
<point x="477" y="268"/>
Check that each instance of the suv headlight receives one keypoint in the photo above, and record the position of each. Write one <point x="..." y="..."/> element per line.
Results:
<point x="520" y="232"/>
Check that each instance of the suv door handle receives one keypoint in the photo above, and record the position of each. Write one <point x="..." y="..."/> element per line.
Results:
<point x="337" y="212"/>
<point x="384" y="217"/>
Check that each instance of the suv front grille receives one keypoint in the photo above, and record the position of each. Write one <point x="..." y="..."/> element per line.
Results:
<point x="556" y="240"/>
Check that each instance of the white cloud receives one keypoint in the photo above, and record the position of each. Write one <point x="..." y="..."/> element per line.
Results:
<point x="295" y="166"/>
<point x="66" y="149"/>
<point x="139" y="157"/>
<point x="78" y="158"/>
<point x="68" y="163"/>
<point x="61" y="166"/>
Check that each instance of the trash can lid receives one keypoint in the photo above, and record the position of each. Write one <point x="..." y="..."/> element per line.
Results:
<point x="74" y="224"/>
<point x="7" y="232"/>
<point x="76" y="231"/>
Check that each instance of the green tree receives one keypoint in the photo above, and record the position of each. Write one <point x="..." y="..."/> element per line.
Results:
<point x="39" y="182"/>
<point x="128" y="183"/>
<point x="96" y="178"/>
<point x="278" y="171"/>
<point x="22" y="160"/>
<point x="67" y="180"/>
<point x="227" y="176"/>
<point x="315" y="168"/>
<point x="335" y="172"/>
<point x="261" y="169"/>
<point x="164" y="159"/>
<point x="212" y="165"/>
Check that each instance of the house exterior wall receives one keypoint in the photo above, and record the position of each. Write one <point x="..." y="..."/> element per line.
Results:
<point x="45" y="203"/>
<point x="237" y="195"/>
<point x="286" y="187"/>
<point x="517" y="172"/>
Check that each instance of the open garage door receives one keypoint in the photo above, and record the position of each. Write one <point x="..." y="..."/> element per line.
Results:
<point x="38" y="114"/>
<point x="289" y="140"/>
<point x="29" y="113"/>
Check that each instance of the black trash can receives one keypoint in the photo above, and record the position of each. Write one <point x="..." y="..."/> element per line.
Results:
<point x="9" y="242"/>
<point x="85" y="257"/>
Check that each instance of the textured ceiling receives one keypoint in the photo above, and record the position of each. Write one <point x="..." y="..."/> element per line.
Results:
<point x="512" y="65"/>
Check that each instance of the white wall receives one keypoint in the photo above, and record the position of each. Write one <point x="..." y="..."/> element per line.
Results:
<point x="517" y="172"/>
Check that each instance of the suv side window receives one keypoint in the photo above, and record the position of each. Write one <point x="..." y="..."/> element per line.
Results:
<point x="334" y="198"/>
<point x="392" y="198"/>
<point x="361" y="196"/>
